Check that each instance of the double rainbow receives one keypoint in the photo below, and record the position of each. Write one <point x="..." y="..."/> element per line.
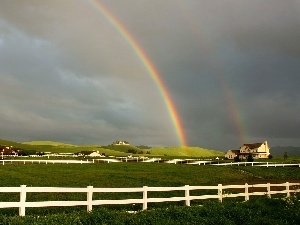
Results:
<point x="148" y="65"/>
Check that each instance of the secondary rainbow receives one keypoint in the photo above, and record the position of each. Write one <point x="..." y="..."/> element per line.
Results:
<point x="149" y="67"/>
<point x="189" y="13"/>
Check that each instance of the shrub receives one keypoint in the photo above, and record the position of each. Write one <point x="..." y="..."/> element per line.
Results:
<point x="132" y="151"/>
<point x="256" y="211"/>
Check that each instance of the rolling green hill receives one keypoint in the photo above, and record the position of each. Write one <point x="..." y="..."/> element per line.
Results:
<point x="51" y="143"/>
<point x="115" y="150"/>
<point x="185" y="152"/>
<point x="19" y="145"/>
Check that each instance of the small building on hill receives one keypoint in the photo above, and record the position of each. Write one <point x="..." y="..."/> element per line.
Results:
<point x="121" y="143"/>
<point x="257" y="150"/>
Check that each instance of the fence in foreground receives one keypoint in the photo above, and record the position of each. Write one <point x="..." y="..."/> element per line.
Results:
<point x="222" y="191"/>
<point x="147" y="160"/>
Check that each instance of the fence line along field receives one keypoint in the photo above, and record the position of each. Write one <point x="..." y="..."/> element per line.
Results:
<point x="131" y="175"/>
<point x="247" y="191"/>
<point x="174" y="174"/>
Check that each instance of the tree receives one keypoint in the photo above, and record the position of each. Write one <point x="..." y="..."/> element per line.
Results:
<point x="250" y="158"/>
<point x="285" y="155"/>
<point x="237" y="159"/>
<point x="132" y="151"/>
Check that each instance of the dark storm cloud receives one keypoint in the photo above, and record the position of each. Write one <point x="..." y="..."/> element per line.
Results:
<point x="229" y="66"/>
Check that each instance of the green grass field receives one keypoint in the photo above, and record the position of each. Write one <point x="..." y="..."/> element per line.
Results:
<point x="138" y="174"/>
<point x="127" y="175"/>
<point x="258" y="210"/>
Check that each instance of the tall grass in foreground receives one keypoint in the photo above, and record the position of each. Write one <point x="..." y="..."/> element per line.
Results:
<point x="256" y="211"/>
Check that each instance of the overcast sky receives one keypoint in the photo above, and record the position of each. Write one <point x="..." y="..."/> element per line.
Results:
<point x="232" y="69"/>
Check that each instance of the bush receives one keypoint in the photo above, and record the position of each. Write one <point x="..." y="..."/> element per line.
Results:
<point x="256" y="211"/>
<point x="237" y="159"/>
<point x="132" y="151"/>
<point x="250" y="158"/>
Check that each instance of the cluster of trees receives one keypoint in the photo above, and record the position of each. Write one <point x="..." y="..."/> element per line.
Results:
<point x="134" y="151"/>
<point x="251" y="159"/>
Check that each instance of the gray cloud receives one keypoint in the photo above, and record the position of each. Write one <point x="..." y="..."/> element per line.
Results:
<point x="230" y="67"/>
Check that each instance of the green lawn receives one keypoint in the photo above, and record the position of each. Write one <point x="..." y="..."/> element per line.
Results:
<point x="138" y="174"/>
<point x="117" y="175"/>
<point x="128" y="175"/>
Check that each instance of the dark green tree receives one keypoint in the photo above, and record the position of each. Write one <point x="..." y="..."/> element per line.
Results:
<point x="285" y="155"/>
<point x="250" y="158"/>
<point x="237" y="159"/>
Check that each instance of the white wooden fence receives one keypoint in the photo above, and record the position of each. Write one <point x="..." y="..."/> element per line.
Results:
<point x="151" y="160"/>
<point x="221" y="192"/>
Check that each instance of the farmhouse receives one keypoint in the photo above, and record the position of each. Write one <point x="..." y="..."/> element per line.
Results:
<point x="257" y="150"/>
<point x="231" y="154"/>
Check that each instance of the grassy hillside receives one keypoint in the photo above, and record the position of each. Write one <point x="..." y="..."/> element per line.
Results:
<point x="11" y="143"/>
<point x="20" y="145"/>
<point x="116" y="150"/>
<point x="185" y="151"/>
<point x="51" y="143"/>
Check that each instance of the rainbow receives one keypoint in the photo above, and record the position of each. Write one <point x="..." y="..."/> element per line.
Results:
<point x="198" y="29"/>
<point x="236" y="116"/>
<point x="149" y="67"/>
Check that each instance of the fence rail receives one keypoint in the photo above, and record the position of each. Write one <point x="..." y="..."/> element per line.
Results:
<point x="247" y="191"/>
<point x="149" y="160"/>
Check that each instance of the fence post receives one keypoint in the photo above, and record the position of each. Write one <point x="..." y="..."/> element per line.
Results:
<point x="246" y="192"/>
<point x="287" y="189"/>
<point x="22" y="200"/>
<point x="145" y="197"/>
<point x="187" y="195"/>
<point x="89" y="198"/>
<point x="220" y="192"/>
<point x="269" y="190"/>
